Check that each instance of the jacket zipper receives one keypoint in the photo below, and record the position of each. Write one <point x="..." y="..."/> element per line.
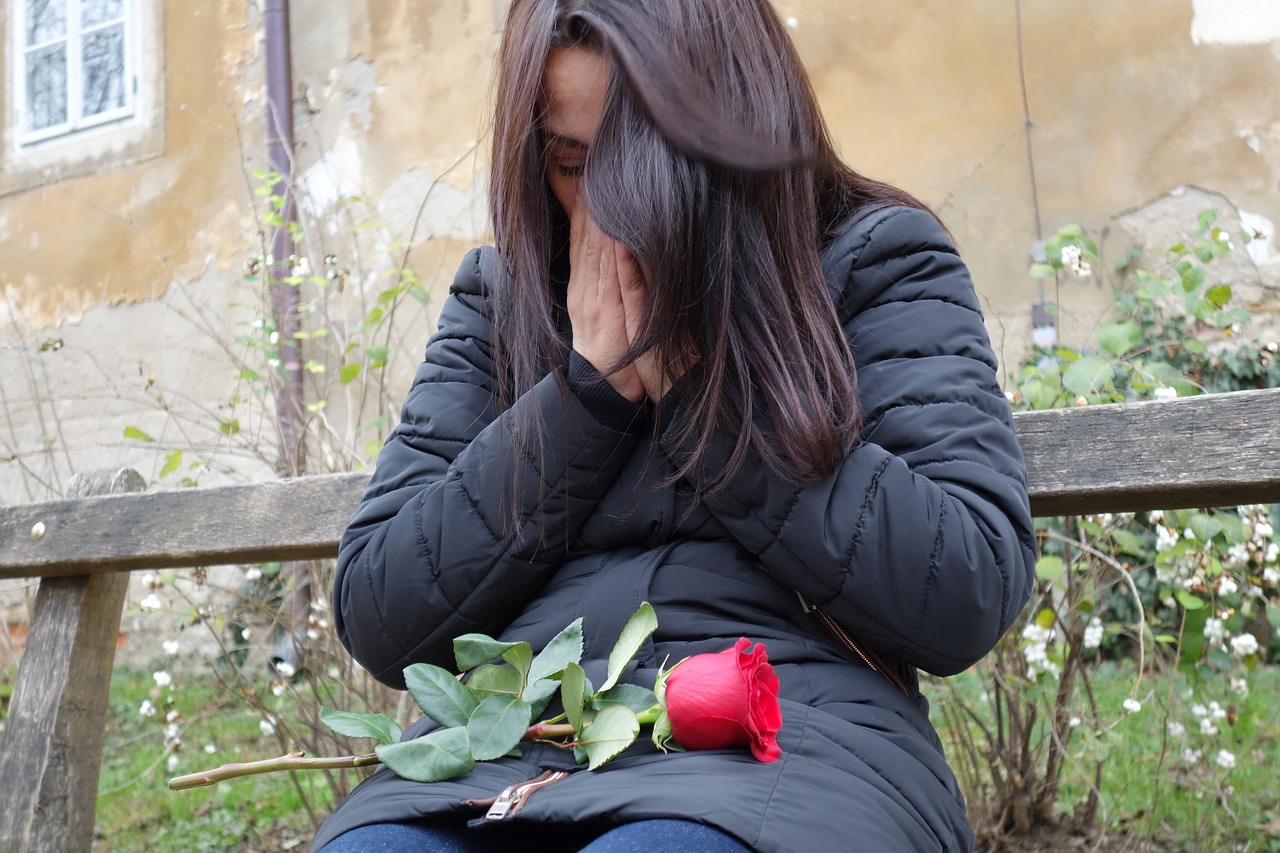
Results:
<point x="843" y="636"/>
<point x="836" y="630"/>
<point x="513" y="798"/>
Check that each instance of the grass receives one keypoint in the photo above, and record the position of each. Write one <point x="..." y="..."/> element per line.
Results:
<point x="1149" y="791"/>
<point x="137" y="812"/>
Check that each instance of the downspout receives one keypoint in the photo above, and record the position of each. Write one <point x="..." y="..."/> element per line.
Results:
<point x="290" y="412"/>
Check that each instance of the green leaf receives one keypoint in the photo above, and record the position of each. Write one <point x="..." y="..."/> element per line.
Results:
<point x="520" y="656"/>
<point x="471" y="650"/>
<point x="1232" y="526"/>
<point x="638" y="628"/>
<point x="172" y="462"/>
<point x="439" y="694"/>
<point x="572" y="694"/>
<point x="1044" y="618"/>
<point x="495" y="680"/>
<point x="614" y="729"/>
<point x="377" y="355"/>
<point x="1087" y="374"/>
<point x="1049" y="568"/>
<point x="1042" y="271"/>
<point x="565" y="648"/>
<point x="1191" y="276"/>
<point x="1195" y="346"/>
<point x="134" y="432"/>
<point x="229" y="427"/>
<point x="634" y="696"/>
<point x="1128" y="542"/>
<point x="348" y="373"/>
<point x="497" y="725"/>
<point x="380" y="727"/>
<point x="1119" y="339"/>
<point x="1219" y="295"/>
<point x="1206" y="217"/>
<point x="1187" y="600"/>
<point x="434" y="757"/>
<point x="1205" y="527"/>
<point x="663" y="733"/>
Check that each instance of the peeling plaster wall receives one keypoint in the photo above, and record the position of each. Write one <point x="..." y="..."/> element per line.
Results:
<point x="132" y="271"/>
<point x="121" y="289"/>
<point x="1126" y="101"/>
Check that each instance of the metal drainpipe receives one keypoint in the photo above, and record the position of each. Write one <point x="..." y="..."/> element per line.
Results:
<point x="290" y="413"/>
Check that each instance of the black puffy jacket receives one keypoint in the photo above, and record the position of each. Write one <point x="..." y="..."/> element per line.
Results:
<point x="920" y="546"/>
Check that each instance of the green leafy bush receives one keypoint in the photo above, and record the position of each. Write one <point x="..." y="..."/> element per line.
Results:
<point x="1189" y="595"/>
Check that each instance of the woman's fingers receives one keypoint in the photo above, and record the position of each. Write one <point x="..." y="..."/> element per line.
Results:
<point x="635" y="305"/>
<point x="631" y="290"/>
<point x="595" y="301"/>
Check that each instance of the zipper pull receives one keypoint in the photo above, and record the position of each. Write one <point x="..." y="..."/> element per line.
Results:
<point x="502" y="804"/>
<point x="513" y="798"/>
<point x="804" y="602"/>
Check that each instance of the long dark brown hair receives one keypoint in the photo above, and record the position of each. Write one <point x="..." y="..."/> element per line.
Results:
<point x="713" y="166"/>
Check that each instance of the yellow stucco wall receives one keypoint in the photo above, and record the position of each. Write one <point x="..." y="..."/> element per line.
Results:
<point x="131" y="267"/>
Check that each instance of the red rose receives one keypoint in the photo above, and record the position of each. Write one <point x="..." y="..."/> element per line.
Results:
<point x="726" y="699"/>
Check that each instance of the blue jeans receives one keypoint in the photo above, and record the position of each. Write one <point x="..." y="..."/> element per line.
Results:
<point x="669" y="836"/>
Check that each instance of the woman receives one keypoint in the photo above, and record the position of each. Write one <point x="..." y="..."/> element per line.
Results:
<point x="648" y="393"/>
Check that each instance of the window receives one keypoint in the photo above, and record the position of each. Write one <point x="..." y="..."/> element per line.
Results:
<point x="75" y="67"/>
<point x="84" y="88"/>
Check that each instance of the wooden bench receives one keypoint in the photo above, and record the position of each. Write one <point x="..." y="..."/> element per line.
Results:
<point x="1220" y="450"/>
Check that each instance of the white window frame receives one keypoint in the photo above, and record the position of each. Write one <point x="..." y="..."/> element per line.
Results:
<point x="75" y="52"/>
<point x="102" y="143"/>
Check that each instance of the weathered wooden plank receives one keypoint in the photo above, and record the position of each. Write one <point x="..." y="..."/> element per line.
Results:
<point x="50" y="755"/>
<point x="1218" y="450"/>
<point x="295" y="519"/>
<point x="1214" y="450"/>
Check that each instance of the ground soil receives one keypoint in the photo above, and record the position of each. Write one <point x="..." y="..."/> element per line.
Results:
<point x="1057" y="839"/>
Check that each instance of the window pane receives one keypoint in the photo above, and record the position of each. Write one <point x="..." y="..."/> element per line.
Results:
<point x="45" y="19"/>
<point x="94" y="12"/>
<point x="46" y="87"/>
<point x="103" y="71"/>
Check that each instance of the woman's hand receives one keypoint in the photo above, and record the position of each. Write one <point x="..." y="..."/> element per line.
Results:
<point x="608" y="298"/>
<point x="606" y="301"/>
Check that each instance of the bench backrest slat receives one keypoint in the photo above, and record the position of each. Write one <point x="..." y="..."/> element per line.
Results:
<point x="1208" y="451"/>
<point x="1215" y="450"/>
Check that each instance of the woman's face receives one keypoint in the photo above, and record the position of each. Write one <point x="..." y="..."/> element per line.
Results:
<point x="573" y="90"/>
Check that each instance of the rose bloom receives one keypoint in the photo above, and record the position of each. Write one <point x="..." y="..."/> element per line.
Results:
<point x="726" y="699"/>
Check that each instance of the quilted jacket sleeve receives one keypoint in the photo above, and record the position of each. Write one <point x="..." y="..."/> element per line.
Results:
<point x="921" y="543"/>
<point x="439" y="547"/>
